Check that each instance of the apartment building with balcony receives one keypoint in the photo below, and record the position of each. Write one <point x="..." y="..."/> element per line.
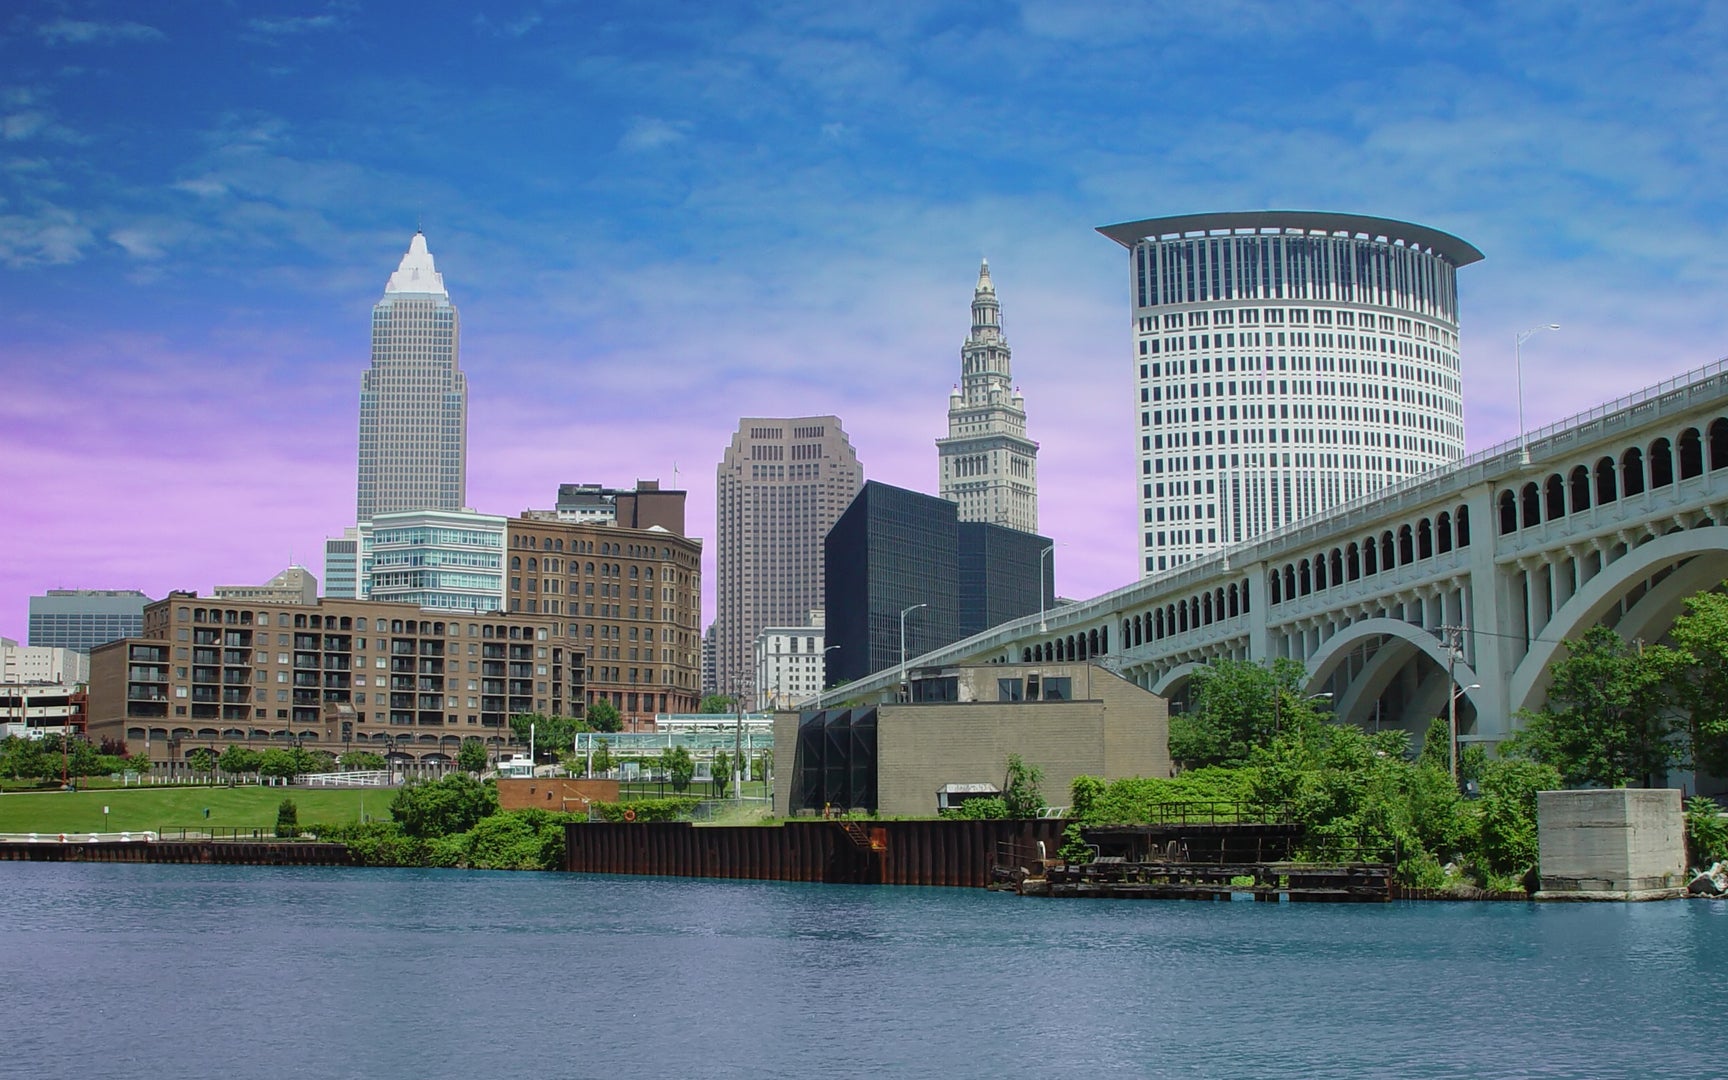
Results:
<point x="334" y="675"/>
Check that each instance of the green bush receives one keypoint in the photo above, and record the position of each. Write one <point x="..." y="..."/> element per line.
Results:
<point x="1506" y="834"/>
<point x="444" y="807"/>
<point x="1706" y="832"/>
<point x="675" y="808"/>
<point x="978" y="810"/>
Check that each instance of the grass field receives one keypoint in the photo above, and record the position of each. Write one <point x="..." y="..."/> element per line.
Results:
<point x="141" y="809"/>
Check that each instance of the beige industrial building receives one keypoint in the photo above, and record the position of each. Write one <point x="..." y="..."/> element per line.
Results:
<point x="335" y="675"/>
<point x="957" y="731"/>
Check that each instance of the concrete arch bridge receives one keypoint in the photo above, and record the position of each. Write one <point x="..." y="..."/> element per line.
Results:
<point x="1610" y="517"/>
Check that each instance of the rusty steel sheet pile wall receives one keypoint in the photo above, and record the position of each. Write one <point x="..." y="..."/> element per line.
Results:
<point x="954" y="853"/>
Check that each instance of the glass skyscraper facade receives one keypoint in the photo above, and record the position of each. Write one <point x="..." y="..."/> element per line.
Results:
<point x="85" y="618"/>
<point x="1287" y="362"/>
<point x="413" y="399"/>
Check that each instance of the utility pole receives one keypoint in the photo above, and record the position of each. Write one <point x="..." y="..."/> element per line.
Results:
<point x="1452" y="636"/>
<point x="738" y="743"/>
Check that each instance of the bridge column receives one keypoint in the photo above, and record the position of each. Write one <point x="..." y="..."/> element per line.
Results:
<point x="1490" y="592"/>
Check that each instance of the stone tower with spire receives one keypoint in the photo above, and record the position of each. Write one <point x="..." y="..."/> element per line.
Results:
<point x="413" y="399"/>
<point x="989" y="468"/>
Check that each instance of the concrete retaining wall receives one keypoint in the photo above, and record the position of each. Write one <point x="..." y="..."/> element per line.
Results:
<point x="1618" y="844"/>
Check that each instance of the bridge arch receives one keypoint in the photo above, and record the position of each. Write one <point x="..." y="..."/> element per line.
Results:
<point x="1410" y="641"/>
<point x="1704" y="555"/>
<point x="1174" y="680"/>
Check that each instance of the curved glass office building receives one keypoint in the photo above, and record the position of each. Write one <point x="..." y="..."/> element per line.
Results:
<point x="1287" y="362"/>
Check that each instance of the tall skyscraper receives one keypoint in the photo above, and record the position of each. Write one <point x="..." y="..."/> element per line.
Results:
<point x="989" y="468"/>
<point x="781" y="485"/>
<point x="413" y="400"/>
<point x="1287" y="361"/>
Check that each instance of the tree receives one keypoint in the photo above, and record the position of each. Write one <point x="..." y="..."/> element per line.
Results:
<point x="552" y="735"/>
<point x="364" y="761"/>
<point x="679" y="767"/>
<point x="202" y="760"/>
<point x="278" y="763"/>
<point x="443" y="807"/>
<point x="602" y="757"/>
<point x="20" y="758"/>
<point x="1506" y="842"/>
<point x="1702" y="686"/>
<point x="287" y="819"/>
<point x="715" y="703"/>
<point x="1611" y="716"/>
<point x="471" y="757"/>
<point x="721" y="769"/>
<point x="238" y="760"/>
<point x="1238" y="706"/>
<point x="1021" y="793"/>
<point x="604" y="716"/>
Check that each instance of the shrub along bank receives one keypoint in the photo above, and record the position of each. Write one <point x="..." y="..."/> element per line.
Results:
<point x="1358" y="795"/>
<point x="455" y="822"/>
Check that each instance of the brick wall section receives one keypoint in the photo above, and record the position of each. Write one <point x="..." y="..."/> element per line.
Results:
<point x="555" y="793"/>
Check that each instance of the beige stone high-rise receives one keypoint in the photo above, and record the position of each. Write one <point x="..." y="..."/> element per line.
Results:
<point x="989" y="468"/>
<point x="781" y="485"/>
<point x="413" y="399"/>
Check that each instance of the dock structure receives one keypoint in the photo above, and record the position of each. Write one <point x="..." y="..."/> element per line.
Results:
<point x="1208" y="852"/>
<point x="153" y="848"/>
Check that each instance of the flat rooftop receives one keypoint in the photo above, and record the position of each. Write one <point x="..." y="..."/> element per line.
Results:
<point x="1308" y="222"/>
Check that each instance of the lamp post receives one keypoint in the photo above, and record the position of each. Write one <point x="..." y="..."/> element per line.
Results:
<point x="1452" y="724"/>
<point x="1518" y="371"/>
<point x="1278" y="702"/>
<point x="903" y="613"/>
<point x="1049" y="549"/>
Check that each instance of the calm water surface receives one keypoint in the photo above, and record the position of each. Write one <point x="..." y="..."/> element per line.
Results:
<point x="170" y="972"/>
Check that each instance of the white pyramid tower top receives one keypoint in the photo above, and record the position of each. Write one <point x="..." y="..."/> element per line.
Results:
<point x="416" y="274"/>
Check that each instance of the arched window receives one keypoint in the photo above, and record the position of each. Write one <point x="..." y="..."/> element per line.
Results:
<point x="1632" y="472"/>
<point x="1218" y="602"/>
<point x="1532" y="505"/>
<point x="1025" y="656"/>
<point x="1424" y="539"/>
<point x="1443" y="532"/>
<point x="1353" y="561"/>
<point x="1461" y="526"/>
<point x="1289" y="581"/>
<point x="1388" y="556"/>
<point x="1508" y="513"/>
<point x="1337" y="575"/>
<point x="1244" y="597"/>
<point x="1718" y="443"/>
<point x="1406" y="548"/>
<point x="1661" y="464"/>
<point x="1580" y="485"/>
<point x="1554" y="491"/>
<point x="1206" y="610"/>
<point x="1235" y="610"/>
<point x="1370" y="556"/>
<point x="1158" y="624"/>
<point x="1319" y="573"/>
<point x="1691" y="454"/>
<point x="1605" y="492"/>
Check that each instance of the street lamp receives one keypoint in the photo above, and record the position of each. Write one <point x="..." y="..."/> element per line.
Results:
<point x="1278" y="702"/>
<point x="1518" y="370"/>
<point x="1452" y="723"/>
<point x="903" y="613"/>
<point x="1049" y="549"/>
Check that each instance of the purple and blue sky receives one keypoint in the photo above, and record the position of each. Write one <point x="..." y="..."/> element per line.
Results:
<point x="658" y="217"/>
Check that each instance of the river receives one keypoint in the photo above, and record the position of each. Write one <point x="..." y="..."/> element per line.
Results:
<point x="170" y="972"/>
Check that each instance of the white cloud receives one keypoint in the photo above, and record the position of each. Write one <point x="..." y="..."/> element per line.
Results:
<point x="277" y="27"/>
<point x="76" y="32"/>
<point x="51" y="236"/>
<point x="513" y="28"/>
<point x="650" y="133"/>
<point x="22" y="125"/>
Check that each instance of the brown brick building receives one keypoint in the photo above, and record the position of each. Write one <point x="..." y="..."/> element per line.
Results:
<point x="630" y="599"/>
<point x="335" y="675"/>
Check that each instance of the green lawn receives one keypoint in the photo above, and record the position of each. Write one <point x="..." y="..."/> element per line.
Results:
<point x="141" y="809"/>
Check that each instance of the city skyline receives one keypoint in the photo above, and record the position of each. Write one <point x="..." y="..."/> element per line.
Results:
<point x="674" y="258"/>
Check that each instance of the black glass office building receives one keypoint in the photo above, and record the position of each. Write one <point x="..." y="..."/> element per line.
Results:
<point x="893" y="549"/>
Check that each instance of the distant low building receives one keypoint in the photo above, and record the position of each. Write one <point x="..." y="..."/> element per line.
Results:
<point x="295" y="585"/>
<point x="789" y="663"/>
<point x="958" y="730"/>
<point x="25" y="664"/>
<point x="645" y="506"/>
<point x="85" y="618"/>
<point x="39" y="709"/>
